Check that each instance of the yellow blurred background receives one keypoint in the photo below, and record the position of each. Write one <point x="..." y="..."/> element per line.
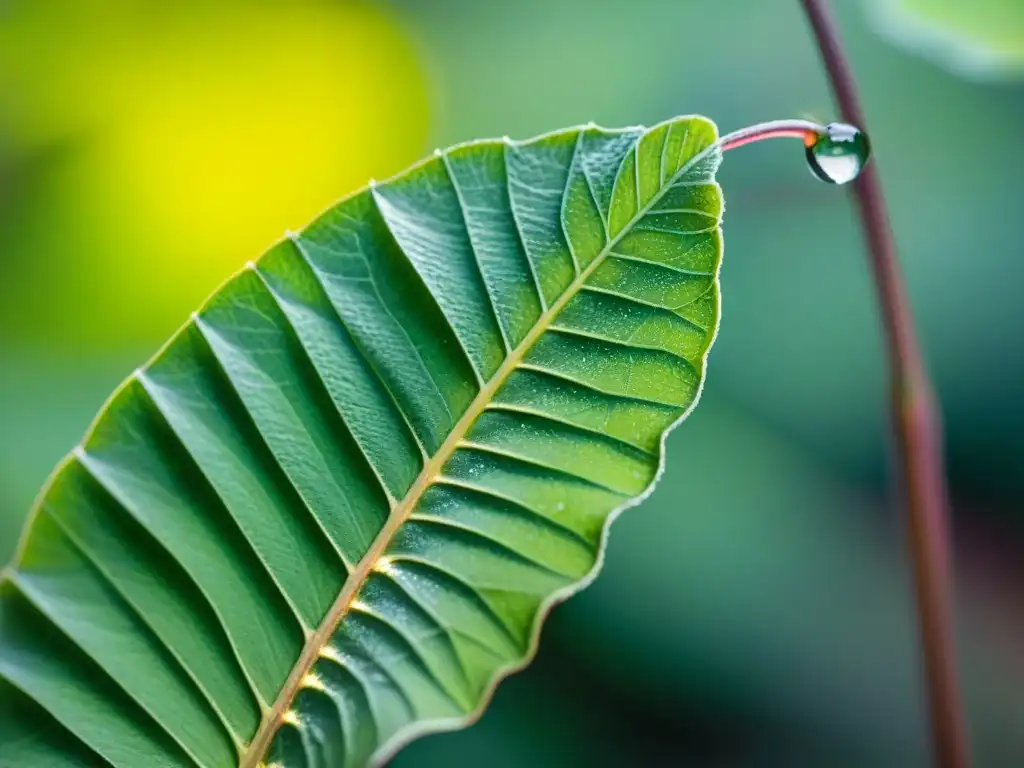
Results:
<point x="182" y="139"/>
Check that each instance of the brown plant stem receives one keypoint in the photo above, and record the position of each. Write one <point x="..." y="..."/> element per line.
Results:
<point x="918" y="432"/>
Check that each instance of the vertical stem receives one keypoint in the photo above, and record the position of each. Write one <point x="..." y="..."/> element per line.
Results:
<point x="916" y="422"/>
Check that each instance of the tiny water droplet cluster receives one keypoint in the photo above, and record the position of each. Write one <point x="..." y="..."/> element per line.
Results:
<point x="839" y="154"/>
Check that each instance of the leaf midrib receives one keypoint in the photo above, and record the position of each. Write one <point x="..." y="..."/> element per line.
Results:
<point x="431" y="470"/>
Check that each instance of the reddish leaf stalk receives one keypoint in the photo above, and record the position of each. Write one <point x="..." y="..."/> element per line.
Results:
<point x="916" y="422"/>
<point x="804" y="130"/>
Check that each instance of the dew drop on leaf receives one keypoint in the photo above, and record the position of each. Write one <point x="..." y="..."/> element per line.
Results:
<point x="839" y="154"/>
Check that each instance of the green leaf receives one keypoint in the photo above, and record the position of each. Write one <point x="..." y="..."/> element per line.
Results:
<point x="982" y="38"/>
<point x="333" y="510"/>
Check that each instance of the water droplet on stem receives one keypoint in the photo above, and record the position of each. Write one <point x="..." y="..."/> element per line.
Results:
<point x="839" y="154"/>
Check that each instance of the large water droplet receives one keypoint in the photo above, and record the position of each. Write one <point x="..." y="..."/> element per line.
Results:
<point x="839" y="154"/>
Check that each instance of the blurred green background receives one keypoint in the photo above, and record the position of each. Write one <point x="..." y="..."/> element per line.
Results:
<point x="756" y="610"/>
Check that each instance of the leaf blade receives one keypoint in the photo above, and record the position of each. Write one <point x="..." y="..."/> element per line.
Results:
<point x="479" y="359"/>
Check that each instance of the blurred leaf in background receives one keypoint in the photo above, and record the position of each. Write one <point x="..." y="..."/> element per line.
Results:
<point x="977" y="38"/>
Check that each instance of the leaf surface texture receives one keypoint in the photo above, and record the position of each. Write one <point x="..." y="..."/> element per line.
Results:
<point x="332" y="511"/>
